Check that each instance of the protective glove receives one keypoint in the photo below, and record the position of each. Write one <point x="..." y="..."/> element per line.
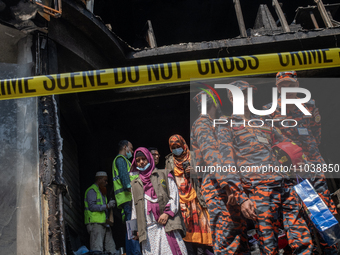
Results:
<point x="111" y="204"/>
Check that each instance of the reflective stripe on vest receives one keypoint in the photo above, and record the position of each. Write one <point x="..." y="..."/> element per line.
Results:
<point x="122" y="196"/>
<point x="118" y="191"/>
<point x="94" y="217"/>
<point x="116" y="178"/>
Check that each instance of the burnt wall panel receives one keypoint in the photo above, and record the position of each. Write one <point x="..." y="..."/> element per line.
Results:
<point x="73" y="204"/>
<point x="19" y="181"/>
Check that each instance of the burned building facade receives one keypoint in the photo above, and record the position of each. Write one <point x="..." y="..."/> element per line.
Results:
<point x="51" y="146"/>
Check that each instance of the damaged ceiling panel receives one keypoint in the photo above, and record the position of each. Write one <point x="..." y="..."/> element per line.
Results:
<point x="310" y="18"/>
<point x="22" y="15"/>
<point x="117" y="34"/>
<point x="9" y="38"/>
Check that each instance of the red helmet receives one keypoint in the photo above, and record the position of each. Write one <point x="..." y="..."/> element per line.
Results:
<point x="288" y="153"/>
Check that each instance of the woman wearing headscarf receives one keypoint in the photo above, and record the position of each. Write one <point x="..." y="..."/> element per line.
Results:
<point x="155" y="205"/>
<point x="193" y="207"/>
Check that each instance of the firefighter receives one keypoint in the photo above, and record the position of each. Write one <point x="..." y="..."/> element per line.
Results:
<point x="249" y="147"/>
<point x="228" y="226"/>
<point x="307" y="135"/>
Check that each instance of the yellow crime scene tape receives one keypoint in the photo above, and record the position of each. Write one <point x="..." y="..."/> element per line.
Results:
<point x="145" y="75"/>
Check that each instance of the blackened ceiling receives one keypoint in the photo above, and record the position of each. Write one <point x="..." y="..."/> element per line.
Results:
<point x="194" y="29"/>
<point x="180" y="21"/>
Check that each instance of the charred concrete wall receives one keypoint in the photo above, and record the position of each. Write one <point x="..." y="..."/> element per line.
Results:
<point x="20" y="220"/>
<point x="19" y="193"/>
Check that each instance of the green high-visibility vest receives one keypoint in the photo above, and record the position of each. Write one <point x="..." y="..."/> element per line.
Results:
<point x="122" y="196"/>
<point x="94" y="217"/>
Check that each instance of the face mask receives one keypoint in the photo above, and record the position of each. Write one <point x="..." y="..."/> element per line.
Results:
<point x="144" y="168"/>
<point x="177" y="151"/>
<point x="128" y="154"/>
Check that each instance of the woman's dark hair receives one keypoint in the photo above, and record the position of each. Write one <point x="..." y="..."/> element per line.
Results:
<point x="140" y="154"/>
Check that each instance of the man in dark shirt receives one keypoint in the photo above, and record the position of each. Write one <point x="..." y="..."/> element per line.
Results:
<point x="123" y="166"/>
<point x="96" y="212"/>
<point x="122" y="188"/>
<point x="155" y="154"/>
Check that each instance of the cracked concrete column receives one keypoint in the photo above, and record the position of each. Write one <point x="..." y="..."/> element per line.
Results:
<point x="20" y="210"/>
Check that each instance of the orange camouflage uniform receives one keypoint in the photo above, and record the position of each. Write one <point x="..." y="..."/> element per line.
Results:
<point x="307" y="135"/>
<point x="227" y="223"/>
<point x="245" y="146"/>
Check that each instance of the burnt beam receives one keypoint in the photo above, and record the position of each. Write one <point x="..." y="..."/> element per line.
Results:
<point x="281" y="16"/>
<point x="240" y="19"/>
<point x="312" y="16"/>
<point x="326" y="19"/>
<point x="151" y="38"/>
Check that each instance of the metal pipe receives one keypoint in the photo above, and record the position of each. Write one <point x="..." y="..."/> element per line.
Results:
<point x="48" y="8"/>
<point x="60" y="6"/>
